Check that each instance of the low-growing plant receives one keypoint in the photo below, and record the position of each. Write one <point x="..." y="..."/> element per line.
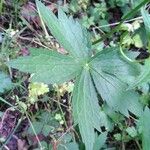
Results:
<point x="103" y="81"/>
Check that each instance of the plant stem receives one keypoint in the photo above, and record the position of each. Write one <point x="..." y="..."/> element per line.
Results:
<point x="139" y="146"/>
<point x="125" y="56"/>
<point x="4" y="101"/>
<point x="1" y="5"/>
<point x="34" y="131"/>
<point x="59" y="105"/>
<point x="43" y="25"/>
<point x="116" y="23"/>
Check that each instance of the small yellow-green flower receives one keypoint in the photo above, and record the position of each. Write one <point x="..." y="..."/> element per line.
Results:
<point x="65" y="87"/>
<point x="36" y="89"/>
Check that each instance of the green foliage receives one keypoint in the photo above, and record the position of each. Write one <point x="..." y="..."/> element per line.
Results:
<point x="145" y="128"/>
<point x="118" y="2"/>
<point x="144" y="75"/>
<point x="100" y="141"/>
<point x="109" y="71"/>
<point x="132" y="131"/>
<point x="68" y="143"/>
<point x="5" y="82"/>
<point x="35" y="90"/>
<point x="48" y="66"/>
<point x="103" y="94"/>
<point x="44" y="124"/>
<point x="68" y="32"/>
<point x="95" y="13"/>
<point x="85" y="106"/>
<point x="143" y="78"/>
<point x="146" y="19"/>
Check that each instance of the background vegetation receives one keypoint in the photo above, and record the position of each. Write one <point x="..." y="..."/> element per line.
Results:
<point x="74" y="75"/>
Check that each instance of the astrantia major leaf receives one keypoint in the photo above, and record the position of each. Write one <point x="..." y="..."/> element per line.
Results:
<point x="49" y="67"/>
<point x="86" y="110"/>
<point x="69" y="33"/>
<point x="109" y="72"/>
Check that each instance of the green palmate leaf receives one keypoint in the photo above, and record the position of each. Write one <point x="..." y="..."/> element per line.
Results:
<point x="86" y="109"/>
<point x="5" y="82"/>
<point x="49" y="67"/>
<point x="69" y="33"/>
<point x="108" y="71"/>
<point x="145" y="128"/>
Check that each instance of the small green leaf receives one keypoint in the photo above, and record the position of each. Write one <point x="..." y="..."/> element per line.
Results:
<point x="47" y="129"/>
<point x="118" y="136"/>
<point x="127" y="40"/>
<point x="137" y="41"/>
<point x="46" y="123"/>
<point x="69" y="33"/>
<point x="50" y="67"/>
<point x="86" y="110"/>
<point x="132" y="131"/>
<point x="44" y="145"/>
<point x="100" y="141"/>
<point x="38" y="126"/>
<point x="5" y="82"/>
<point x="67" y="143"/>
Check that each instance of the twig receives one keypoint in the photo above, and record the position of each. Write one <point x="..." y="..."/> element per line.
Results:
<point x="42" y="23"/>
<point x="4" y="101"/>
<point x="2" y="29"/>
<point x="6" y="147"/>
<point x="139" y="146"/>
<point x="60" y="103"/>
<point x="63" y="116"/>
<point x="9" y="69"/>
<point x="34" y="131"/>
<point x="34" y="41"/>
<point x="64" y="2"/>
<point x="65" y="133"/>
<point x="116" y="23"/>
